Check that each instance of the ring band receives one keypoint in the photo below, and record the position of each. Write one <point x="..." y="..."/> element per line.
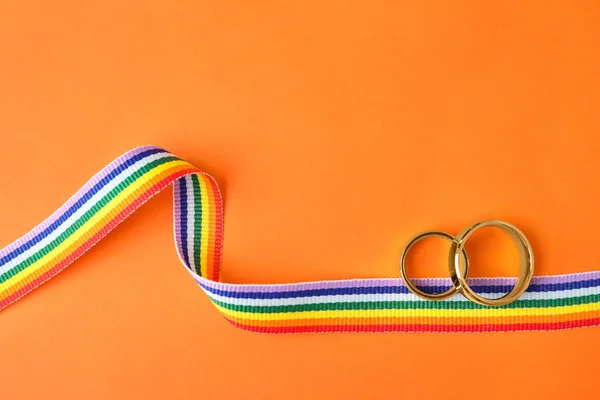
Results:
<point x="459" y="274"/>
<point x="431" y="296"/>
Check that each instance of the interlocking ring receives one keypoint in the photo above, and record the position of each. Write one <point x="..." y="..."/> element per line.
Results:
<point x="458" y="265"/>
<point x="430" y="296"/>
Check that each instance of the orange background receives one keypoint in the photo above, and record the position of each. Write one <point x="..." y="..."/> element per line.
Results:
<point x="337" y="130"/>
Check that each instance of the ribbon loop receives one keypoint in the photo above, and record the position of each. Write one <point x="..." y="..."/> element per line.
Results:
<point x="360" y="305"/>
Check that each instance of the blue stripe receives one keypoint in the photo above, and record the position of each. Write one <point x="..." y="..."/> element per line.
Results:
<point x="554" y="287"/>
<point x="183" y="219"/>
<point x="60" y="220"/>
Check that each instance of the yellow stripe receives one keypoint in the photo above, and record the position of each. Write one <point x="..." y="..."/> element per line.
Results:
<point x="205" y="226"/>
<point x="85" y="228"/>
<point x="486" y="312"/>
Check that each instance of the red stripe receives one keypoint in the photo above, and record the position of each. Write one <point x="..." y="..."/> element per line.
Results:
<point x="550" y="326"/>
<point x="97" y="237"/>
<point x="218" y="232"/>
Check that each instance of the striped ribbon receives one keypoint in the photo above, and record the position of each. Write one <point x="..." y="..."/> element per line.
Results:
<point x="361" y="305"/>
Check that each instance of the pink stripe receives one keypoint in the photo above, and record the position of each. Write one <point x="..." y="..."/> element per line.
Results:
<point x="415" y="328"/>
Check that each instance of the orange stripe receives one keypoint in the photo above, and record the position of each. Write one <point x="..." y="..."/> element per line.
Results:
<point x="217" y="238"/>
<point x="210" y="253"/>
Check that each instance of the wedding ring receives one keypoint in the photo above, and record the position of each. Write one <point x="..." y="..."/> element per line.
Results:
<point x="458" y="265"/>
<point x="430" y="296"/>
<point x="459" y="274"/>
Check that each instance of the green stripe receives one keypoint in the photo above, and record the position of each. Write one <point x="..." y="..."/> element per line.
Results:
<point x="197" y="223"/>
<point x="85" y="217"/>
<point x="405" y="305"/>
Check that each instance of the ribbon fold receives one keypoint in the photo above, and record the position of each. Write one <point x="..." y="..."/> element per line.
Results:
<point x="358" y="305"/>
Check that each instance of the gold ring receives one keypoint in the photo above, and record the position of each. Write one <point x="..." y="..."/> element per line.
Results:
<point x="428" y="296"/>
<point x="458" y="272"/>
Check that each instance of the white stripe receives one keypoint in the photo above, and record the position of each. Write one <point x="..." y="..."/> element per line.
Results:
<point x="352" y="298"/>
<point x="82" y="210"/>
<point x="190" y="220"/>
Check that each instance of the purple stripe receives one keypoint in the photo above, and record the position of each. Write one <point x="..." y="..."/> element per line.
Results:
<point x="430" y="282"/>
<point x="177" y="222"/>
<point x="543" y="279"/>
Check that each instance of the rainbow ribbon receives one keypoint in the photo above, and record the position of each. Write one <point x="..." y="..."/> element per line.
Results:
<point x="360" y="305"/>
